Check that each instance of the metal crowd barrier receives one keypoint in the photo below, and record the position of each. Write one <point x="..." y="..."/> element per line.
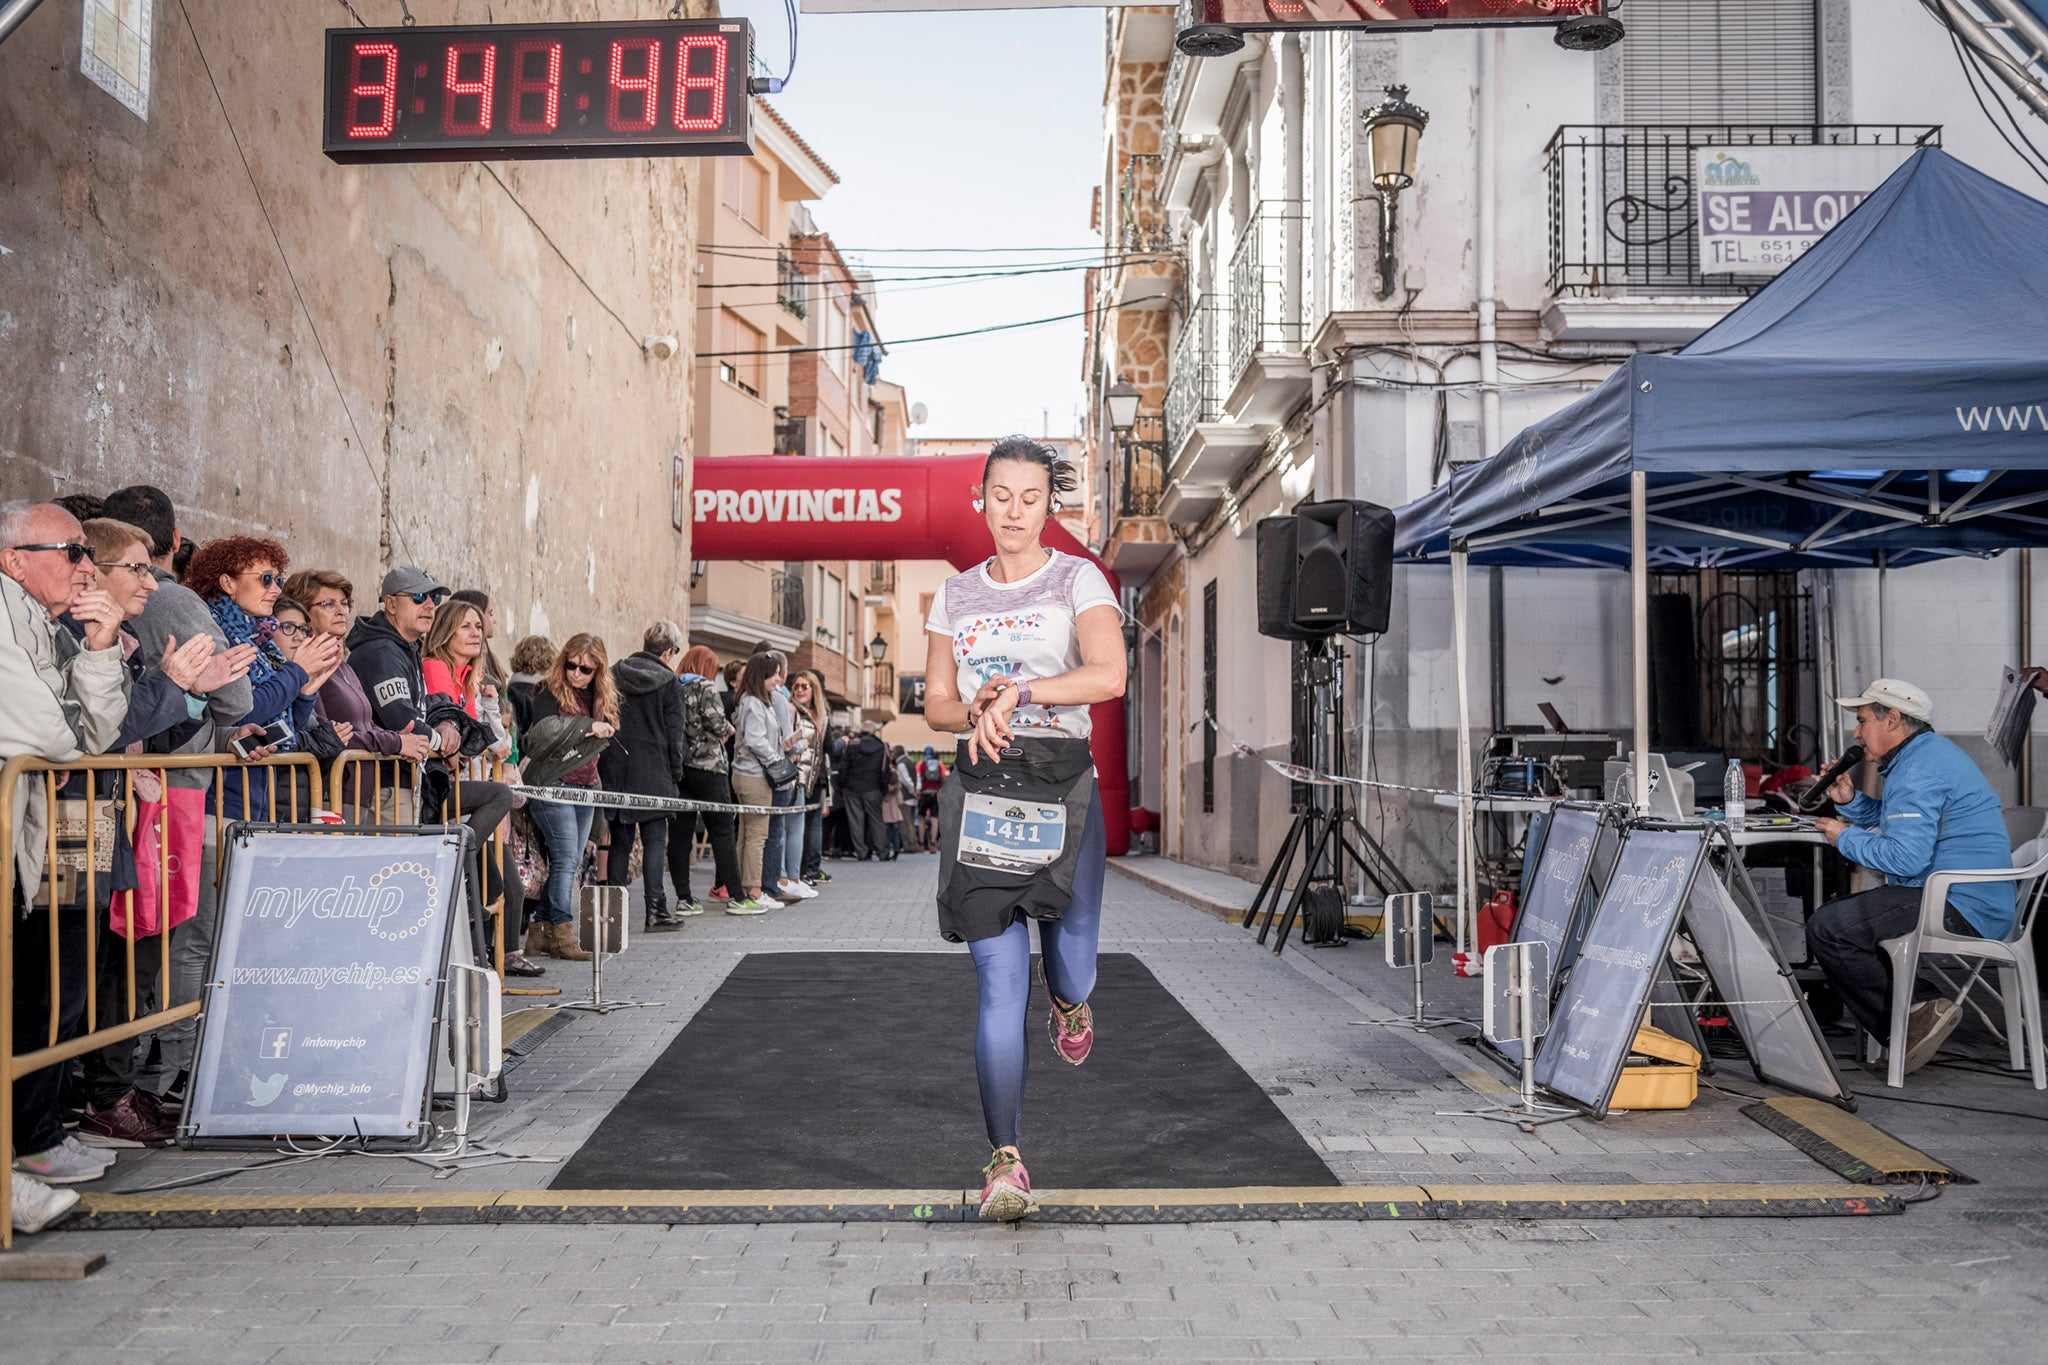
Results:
<point x="80" y="827"/>
<point x="377" y="789"/>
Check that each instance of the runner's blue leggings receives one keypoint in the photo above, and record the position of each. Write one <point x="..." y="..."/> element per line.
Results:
<point x="1003" y="964"/>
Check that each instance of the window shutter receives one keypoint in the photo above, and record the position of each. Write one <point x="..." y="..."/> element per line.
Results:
<point x="1734" y="61"/>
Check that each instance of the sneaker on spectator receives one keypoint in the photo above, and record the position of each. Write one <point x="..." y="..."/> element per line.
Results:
<point x="99" y="1154"/>
<point x="171" y="1099"/>
<point x="768" y="902"/>
<point x="35" y="1206"/>
<point x="690" y="908"/>
<point x="718" y="893"/>
<point x="748" y="906"/>
<point x="817" y="878"/>
<point x="794" y="890"/>
<point x="128" y="1122"/>
<point x="1927" y="1028"/>
<point x="68" y="1163"/>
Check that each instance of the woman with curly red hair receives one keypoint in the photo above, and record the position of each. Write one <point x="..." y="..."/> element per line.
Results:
<point x="240" y="579"/>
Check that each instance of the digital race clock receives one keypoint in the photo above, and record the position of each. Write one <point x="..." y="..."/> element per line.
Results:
<point x="509" y="91"/>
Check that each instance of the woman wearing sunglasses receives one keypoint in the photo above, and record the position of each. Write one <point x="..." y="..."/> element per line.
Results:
<point x="240" y="579"/>
<point x="579" y="684"/>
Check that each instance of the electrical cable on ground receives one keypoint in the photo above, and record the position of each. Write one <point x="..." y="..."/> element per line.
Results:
<point x="1944" y="1104"/>
<point x="290" y="274"/>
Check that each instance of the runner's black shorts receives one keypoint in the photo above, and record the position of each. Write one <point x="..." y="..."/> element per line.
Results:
<point x="927" y="804"/>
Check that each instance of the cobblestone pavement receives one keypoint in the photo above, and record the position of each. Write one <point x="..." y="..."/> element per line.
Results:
<point x="1961" y="1277"/>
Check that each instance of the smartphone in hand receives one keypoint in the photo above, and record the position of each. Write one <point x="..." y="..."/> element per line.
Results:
<point x="277" y="732"/>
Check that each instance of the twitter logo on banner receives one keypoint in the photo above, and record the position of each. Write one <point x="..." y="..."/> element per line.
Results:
<point x="262" y="1093"/>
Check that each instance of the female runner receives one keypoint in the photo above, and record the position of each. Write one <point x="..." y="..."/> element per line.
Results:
<point x="1019" y="648"/>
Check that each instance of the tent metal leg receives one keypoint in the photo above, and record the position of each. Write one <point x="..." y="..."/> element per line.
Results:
<point x="1639" y="611"/>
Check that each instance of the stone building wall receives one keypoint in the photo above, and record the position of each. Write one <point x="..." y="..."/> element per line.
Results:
<point x="436" y="364"/>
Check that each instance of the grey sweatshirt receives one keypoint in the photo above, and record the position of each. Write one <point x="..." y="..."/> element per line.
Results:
<point x="174" y="609"/>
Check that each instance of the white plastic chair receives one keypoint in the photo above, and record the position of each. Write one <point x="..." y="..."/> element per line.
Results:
<point x="2019" y="984"/>
<point x="2024" y="824"/>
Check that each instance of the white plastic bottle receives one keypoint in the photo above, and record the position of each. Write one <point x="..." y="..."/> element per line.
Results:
<point x="1731" y="799"/>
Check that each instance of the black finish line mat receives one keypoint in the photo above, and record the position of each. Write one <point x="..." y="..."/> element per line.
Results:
<point x="808" y="1071"/>
<point x="1349" y="1203"/>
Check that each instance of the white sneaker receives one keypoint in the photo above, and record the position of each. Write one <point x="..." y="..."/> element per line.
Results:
<point x="62" y="1165"/>
<point x="767" y="902"/>
<point x="795" y="890"/>
<point x="749" y="906"/>
<point x="105" y="1156"/>
<point x="35" y="1205"/>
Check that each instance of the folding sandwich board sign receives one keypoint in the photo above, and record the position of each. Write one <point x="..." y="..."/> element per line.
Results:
<point x="1595" y="1021"/>
<point x="327" y="979"/>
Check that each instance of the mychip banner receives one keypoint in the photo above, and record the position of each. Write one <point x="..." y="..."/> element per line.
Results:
<point x="1760" y="208"/>
<point x="326" y="976"/>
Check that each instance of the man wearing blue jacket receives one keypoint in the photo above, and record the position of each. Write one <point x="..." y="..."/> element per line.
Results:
<point x="1937" y="814"/>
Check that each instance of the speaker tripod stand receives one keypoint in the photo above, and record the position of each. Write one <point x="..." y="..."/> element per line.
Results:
<point x="1327" y="830"/>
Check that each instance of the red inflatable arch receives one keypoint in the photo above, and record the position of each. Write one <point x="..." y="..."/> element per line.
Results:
<point x="787" y="507"/>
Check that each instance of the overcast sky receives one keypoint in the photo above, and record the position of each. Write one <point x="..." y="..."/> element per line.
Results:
<point x="954" y="130"/>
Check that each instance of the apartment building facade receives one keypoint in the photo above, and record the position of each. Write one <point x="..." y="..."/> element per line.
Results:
<point x="792" y="367"/>
<point x="1284" y="352"/>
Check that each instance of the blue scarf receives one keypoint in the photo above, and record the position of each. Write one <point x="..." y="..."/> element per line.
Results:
<point x="243" y="629"/>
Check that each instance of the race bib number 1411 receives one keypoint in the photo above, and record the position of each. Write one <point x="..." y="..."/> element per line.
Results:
<point x="1005" y="834"/>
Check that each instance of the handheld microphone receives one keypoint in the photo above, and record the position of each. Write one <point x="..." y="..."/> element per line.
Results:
<point x="1818" y="792"/>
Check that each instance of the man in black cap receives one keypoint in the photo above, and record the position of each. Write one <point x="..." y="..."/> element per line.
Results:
<point x="384" y="650"/>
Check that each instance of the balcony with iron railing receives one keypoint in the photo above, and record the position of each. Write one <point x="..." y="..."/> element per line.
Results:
<point x="882" y="687"/>
<point x="1141" y="468"/>
<point x="1265" y="305"/>
<point x="1194" y="384"/>
<point x="1137" y="539"/>
<point x="789" y="433"/>
<point x="1624" y="204"/>
<point x="881" y="578"/>
<point x="1141" y="214"/>
<point x="792" y="286"/>
<point x="786" y="598"/>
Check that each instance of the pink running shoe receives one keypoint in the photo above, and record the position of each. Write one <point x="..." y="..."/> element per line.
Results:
<point x="1072" y="1028"/>
<point x="1006" y="1188"/>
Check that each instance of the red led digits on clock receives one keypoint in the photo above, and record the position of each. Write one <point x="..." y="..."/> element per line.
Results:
<point x="712" y="82"/>
<point x="536" y="75"/>
<point x="384" y="90"/>
<point x="646" y="85"/>
<point x="479" y="89"/>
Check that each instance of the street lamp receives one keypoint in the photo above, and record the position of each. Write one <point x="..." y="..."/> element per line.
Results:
<point x="1121" y="404"/>
<point x="1393" y="130"/>
<point x="877" y="647"/>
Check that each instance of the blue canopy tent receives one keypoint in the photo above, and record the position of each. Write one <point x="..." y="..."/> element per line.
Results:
<point x="1884" y="401"/>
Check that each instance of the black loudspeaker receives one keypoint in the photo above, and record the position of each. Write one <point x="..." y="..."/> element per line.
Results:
<point x="1326" y="570"/>
<point x="1276" y="580"/>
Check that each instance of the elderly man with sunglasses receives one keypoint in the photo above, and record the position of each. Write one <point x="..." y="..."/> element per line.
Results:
<point x="59" y="699"/>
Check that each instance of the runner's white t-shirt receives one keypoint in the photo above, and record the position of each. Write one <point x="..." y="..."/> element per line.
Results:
<point x="1024" y="630"/>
